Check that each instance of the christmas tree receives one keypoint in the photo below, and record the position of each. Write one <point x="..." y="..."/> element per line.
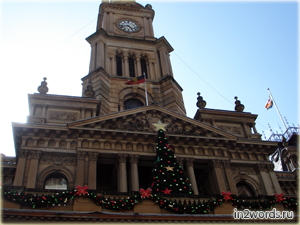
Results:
<point x="167" y="175"/>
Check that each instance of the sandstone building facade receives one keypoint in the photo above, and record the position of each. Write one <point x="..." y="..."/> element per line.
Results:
<point x="106" y="139"/>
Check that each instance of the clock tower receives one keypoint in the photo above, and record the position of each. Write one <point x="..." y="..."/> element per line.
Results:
<point x="124" y="47"/>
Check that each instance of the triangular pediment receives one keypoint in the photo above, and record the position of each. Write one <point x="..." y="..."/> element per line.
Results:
<point x="141" y="120"/>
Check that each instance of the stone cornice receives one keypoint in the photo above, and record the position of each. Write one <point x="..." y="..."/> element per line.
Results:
<point x="62" y="98"/>
<point x="126" y="7"/>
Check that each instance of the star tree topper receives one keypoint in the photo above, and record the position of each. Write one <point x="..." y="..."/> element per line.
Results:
<point x="160" y="125"/>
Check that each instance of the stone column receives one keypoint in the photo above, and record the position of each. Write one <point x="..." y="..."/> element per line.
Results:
<point x="151" y="75"/>
<point x="191" y="173"/>
<point x="122" y="159"/>
<point x="229" y="177"/>
<point x="114" y="66"/>
<point x="32" y="109"/>
<point x="216" y="167"/>
<point x="44" y="110"/>
<point x="270" y="168"/>
<point x="138" y="66"/>
<point x="151" y="27"/>
<point x="93" y="57"/>
<point x="126" y="67"/>
<point x="264" y="179"/>
<point x="82" y="113"/>
<point x="134" y="159"/>
<point x="92" y="175"/>
<point x="93" y="112"/>
<point x="19" y="176"/>
<point x="100" y="55"/>
<point x="80" y="169"/>
<point x="164" y="62"/>
<point x="146" y="27"/>
<point x="33" y="167"/>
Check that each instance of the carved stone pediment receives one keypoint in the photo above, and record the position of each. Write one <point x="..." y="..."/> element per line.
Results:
<point x="142" y="119"/>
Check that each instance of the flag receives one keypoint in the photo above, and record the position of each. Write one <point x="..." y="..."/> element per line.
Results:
<point x="269" y="104"/>
<point x="137" y="80"/>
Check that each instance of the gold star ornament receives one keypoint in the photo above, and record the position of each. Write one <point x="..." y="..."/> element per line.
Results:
<point x="160" y="125"/>
<point x="169" y="168"/>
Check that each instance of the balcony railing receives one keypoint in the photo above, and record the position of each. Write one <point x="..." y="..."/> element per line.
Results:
<point x="287" y="134"/>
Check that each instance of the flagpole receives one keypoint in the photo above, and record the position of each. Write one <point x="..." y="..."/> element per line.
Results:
<point x="277" y="109"/>
<point x="146" y="90"/>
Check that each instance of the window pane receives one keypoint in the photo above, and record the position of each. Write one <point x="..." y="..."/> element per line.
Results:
<point x="56" y="183"/>
<point x="119" y="65"/>
<point x="144" y="68"/>
<point x="131" y="67"/>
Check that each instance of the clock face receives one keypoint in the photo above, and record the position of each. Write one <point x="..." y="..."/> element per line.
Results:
<point x="128" y="26"/>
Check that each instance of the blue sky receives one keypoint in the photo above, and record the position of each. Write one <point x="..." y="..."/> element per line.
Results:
<point x="221" y="49"/>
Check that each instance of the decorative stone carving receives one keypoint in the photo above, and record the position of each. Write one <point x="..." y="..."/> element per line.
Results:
<point x="43" y="89"/>
<point x="189" y="162"/>
<point x="57" y="160"/>
<point x="81" y="155"/>
<point x="215" y="164"/>
<point x="35" y="120"/>
<point x="93" y="156"/>
<point x="143" y="123"/>
<point x="35" y="154"/>
<point x="23" y="153"/>
<point x="134" y="158"/>
<point x="64" y="116"/>
<point x="122" y="158"/>
<point x="243" y="170"/>
<point x="270" y="167"/>
<point x="226" y="164"/>
<point x="231" y="129"/>
<point x="261" y="168"/>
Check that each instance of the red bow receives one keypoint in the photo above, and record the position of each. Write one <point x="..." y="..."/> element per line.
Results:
<point x="81" y="190"/>
<point x="279" y="198"/>
<point x="227" y="196"/>
<point x="168" y="147"/>
<point x="145" y="193"/>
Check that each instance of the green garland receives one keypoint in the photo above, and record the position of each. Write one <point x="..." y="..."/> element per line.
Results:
<point x="62" y="198"/>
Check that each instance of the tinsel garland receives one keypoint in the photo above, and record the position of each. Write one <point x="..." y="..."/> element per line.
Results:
<point x="62" y="198"/>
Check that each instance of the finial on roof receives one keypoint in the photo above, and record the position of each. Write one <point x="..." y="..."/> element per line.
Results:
<point x="238" y="106"/>
<point x="43" y="89"/>
<point x="200" y="103"/>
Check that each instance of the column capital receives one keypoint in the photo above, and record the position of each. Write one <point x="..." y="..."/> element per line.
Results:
<point x="270" y="167"/>
<point x="81" y="155"/>
<point x="226" y="164"/>
<point x="93" y="156"/>
<point x="122" y="158"/>
<point x="261" y="168"/>
<point x="215" y="164"/>
<point x="189" y="162"/>
<point x="23" y="153"/>
<point x="35" y="154"/>
<point x="134" y="158"/>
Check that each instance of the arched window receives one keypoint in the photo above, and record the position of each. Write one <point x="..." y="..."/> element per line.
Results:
<point x="132" y="103"/>
<point x="244" y="189"/>
<point x="119" y="65"/>
<point x="56" y="181"/>
<point x="144" y="67"/>
<point x="131" y="67"/>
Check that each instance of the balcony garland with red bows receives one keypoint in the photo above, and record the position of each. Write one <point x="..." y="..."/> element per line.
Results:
<point x="63" y="198"/>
